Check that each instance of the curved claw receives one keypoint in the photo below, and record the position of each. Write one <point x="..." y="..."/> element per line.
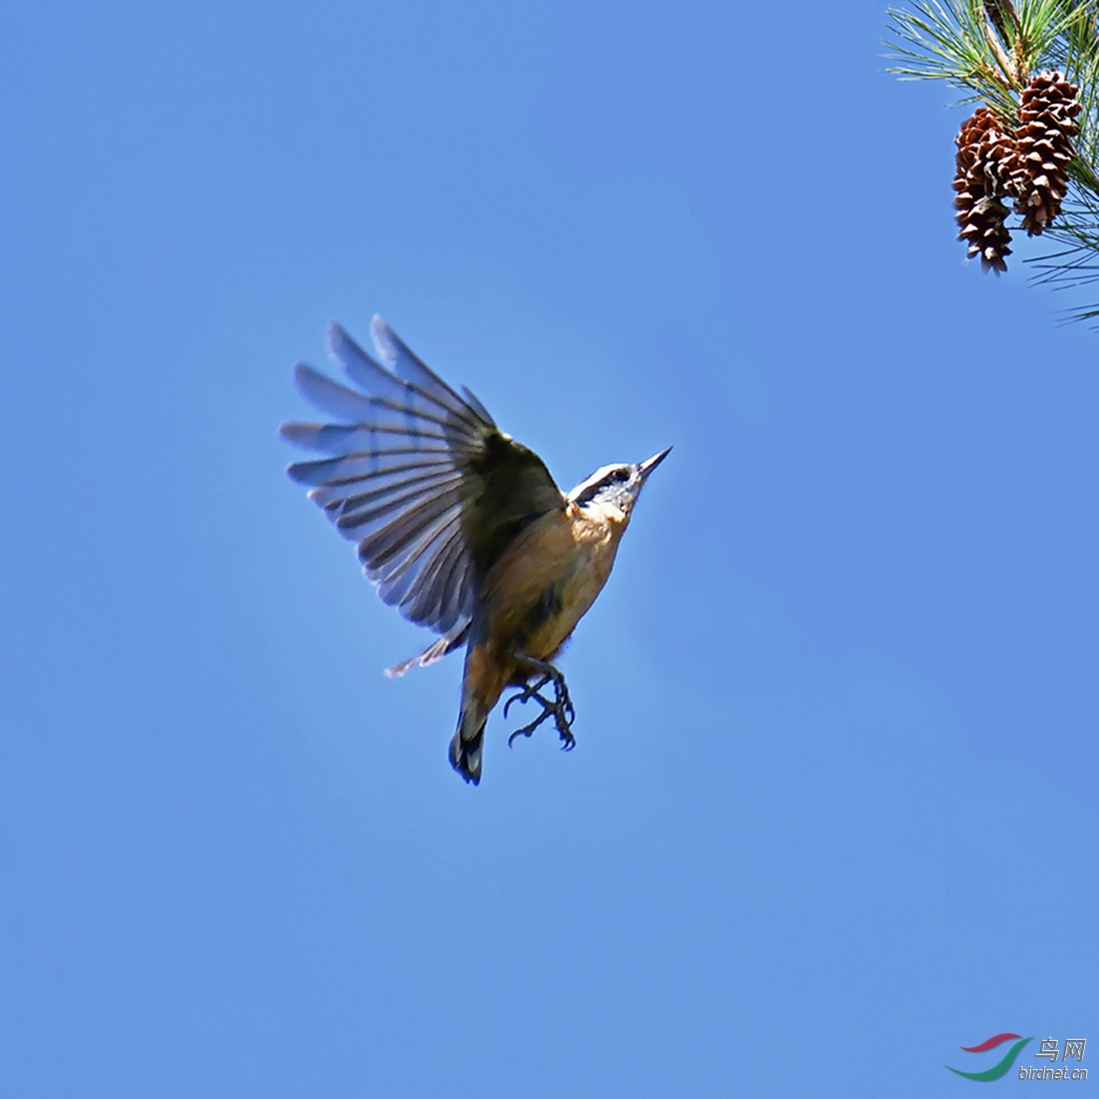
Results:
<point x="528" y="730"/>
<point x="524" y="697"/>
<point x="560" y="709"/>
<point x="527" y="693"/>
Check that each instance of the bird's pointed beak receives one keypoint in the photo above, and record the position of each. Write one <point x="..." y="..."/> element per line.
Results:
<point x="647" y="466"/>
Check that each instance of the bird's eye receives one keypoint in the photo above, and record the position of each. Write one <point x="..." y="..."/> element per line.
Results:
<point x="620" y="475"/>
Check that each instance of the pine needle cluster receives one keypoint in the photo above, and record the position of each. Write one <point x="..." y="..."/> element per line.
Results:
<point x="994" y="50"/>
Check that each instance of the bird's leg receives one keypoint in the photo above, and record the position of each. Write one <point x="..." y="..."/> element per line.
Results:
<point x="560" y="708"/>
<point x="527" y="693"/>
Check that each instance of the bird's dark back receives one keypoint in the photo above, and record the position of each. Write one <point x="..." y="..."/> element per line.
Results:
<point x="508" y="487"/>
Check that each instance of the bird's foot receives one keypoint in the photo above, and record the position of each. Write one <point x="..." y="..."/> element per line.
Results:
<point x="560" y="708"/>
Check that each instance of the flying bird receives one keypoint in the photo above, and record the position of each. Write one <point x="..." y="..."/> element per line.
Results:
<point x="460" y="527"/>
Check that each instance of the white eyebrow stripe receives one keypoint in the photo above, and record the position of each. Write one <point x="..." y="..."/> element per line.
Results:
<point x="602" y="476"/>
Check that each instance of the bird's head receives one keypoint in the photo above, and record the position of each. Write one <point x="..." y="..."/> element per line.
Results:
<point x="616" y="486"/>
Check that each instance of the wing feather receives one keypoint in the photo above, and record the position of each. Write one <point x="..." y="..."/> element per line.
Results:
<point x="423" y="387"/>
<point x="345" y="439"/>
<point x="375" y="502"/>
<point x="395" y="354"/>
<point x="419" y="475"/>
<point x="408" y="574"/>
<point x="378" y="413"/>
<point x="379" y="548"/>
<point x="360" y="466"/>
<point x="430" y="589"/>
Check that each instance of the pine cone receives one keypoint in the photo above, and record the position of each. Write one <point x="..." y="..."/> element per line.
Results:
<point x="1047" y="124"/>
<point x="987" y="164"/>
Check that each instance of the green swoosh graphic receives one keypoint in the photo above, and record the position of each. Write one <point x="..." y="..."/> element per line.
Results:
<point x="997" y="1070"/>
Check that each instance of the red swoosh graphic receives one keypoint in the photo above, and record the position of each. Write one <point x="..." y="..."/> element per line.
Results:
<point x="990" y="1043"/>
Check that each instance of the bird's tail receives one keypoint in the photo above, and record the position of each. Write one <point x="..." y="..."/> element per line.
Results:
<point x="465" y="748"/>
<point x="482" y="682"/>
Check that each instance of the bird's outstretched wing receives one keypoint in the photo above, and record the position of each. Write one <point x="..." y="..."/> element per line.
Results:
<point x="420" y="476"/>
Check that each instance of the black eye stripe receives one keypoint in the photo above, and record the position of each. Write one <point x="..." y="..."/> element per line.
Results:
<point x="613" y="477"/>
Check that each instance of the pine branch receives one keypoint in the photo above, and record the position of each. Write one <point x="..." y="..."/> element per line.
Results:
<point x="990" y="50"/>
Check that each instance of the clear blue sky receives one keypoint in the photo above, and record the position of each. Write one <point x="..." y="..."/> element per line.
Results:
<point x="832" y="810"/>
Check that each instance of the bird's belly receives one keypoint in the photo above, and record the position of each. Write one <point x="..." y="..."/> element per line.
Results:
<point x="536" y="594"/>
<point x="576" y="598"/>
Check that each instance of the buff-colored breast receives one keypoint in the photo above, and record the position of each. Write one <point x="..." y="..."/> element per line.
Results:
<point x="546" y="581"/>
